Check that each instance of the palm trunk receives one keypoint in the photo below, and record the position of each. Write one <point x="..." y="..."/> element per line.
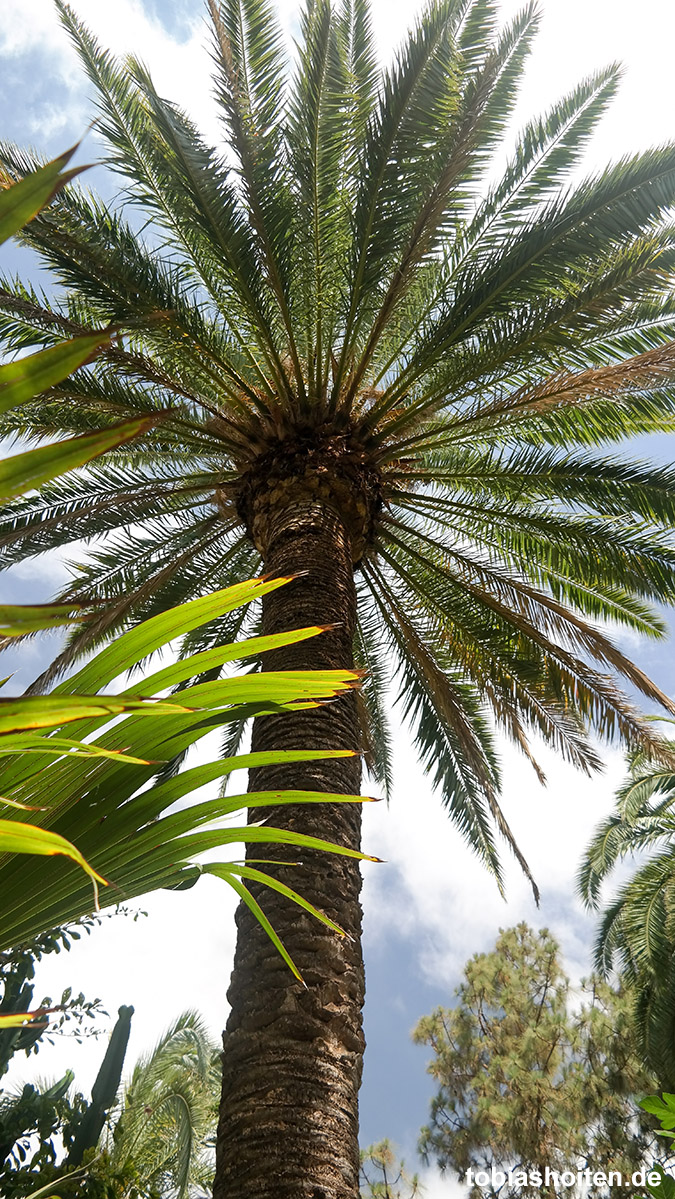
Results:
<point x="293" y="1053"/>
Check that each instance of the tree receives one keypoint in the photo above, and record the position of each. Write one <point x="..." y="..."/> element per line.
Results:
<point x="383" y="1177"/>
<point x="388" y="378"/>
<point x="162" y="1133"/>
<point x="636" y="928"/>
<point x="526" y="1077"/>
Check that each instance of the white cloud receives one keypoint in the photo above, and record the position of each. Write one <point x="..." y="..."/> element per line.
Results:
<point x="180" y="68"/>
<point x="434" y="889"/>
<point x="440" y="1186"/>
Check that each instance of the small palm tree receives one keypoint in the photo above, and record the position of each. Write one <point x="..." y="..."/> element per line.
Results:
<point x="637" y="926"/>
<point x="158" y="1142"/>
<point x="386" y="373"/>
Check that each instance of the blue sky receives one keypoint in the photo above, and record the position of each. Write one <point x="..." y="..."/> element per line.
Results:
<point x="431" y="905"/>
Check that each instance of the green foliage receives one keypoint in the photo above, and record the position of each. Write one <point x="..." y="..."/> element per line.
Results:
<point x="24" y="472"/>
<point x="36" y="1110"/>
<point x="158" y="1136"/>
<point x="21" y="201"/>
<point x="636" y="930"/>
<point x="17" y="970"/>
<point x="344" y="286"/>
<point x="663" y="1108"/>
<point x="383" y="1177"/>
<point x="30" y="375"/>
<point x="16" y="620"/>
<point x="32" y="1114"/>
<point x="665" y="1187"/>
<point x="27" y="377"/>
<point x="94" y="792"/>
<point x="163" y="1126"/>
<point x="528" y="1076"/>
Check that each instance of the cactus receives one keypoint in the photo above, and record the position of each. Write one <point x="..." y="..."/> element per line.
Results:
<point x="104" y="1090"/>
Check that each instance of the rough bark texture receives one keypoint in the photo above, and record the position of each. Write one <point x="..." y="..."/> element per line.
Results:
<point x="292" y="1058"/>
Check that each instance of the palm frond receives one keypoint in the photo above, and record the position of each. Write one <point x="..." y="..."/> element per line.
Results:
<point x="636" y="930"/>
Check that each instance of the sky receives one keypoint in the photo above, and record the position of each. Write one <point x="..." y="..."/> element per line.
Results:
<point x="431" y="905"/>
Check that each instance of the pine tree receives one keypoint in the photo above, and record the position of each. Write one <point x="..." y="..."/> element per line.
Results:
<point x="529" y="1077"/>
<point x="384" y="1177"/>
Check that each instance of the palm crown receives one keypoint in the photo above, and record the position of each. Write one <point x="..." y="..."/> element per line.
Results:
<point x="339" y="302"/>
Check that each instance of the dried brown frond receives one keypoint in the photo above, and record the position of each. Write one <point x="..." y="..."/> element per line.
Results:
<point x="643" y="372"/>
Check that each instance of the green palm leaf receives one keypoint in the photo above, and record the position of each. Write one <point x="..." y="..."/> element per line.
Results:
<point x="636" y="929"/>
<point x="90" y="786"/>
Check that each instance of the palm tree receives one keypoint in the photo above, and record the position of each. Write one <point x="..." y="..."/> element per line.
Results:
<point x="157" y="1143"/>
<point x="637" y="926"/>
<point x="386" y="372"/>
